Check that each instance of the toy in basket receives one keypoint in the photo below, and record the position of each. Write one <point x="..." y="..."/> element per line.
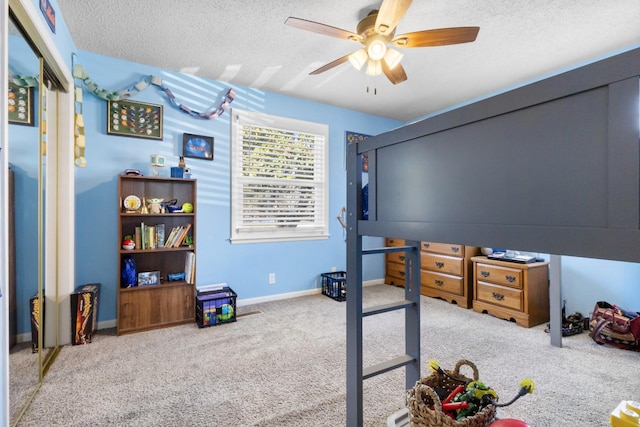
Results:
<point x="447" y="398"/>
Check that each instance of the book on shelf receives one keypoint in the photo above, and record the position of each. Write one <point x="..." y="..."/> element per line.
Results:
<point x="159" y="236"/>
<point x="167" y="242"/>
<point x="189" y="267"/>
<point x="176" y="236"/>
<point x="151" y="237"/>
<point x="137" y="237"/>
<point x="172" y="237"/>
<point x="182" y="235"/>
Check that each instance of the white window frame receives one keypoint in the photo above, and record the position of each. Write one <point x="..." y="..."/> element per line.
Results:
<point x="247" y="231"/>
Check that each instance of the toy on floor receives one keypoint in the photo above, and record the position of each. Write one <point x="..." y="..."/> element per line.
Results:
<point x="626" y="414"/>
<point x="226" y="312"/>
<point x="470" y="397"/>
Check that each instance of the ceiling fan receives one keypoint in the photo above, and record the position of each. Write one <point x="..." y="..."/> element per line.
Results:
<point x="376" y="32"/>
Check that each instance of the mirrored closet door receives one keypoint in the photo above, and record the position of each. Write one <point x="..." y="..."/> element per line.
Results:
<point x="33" y="293"/>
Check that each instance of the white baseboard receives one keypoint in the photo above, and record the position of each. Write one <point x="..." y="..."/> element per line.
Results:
<point x="278" y="297"/>
<point x="106" y="324"/>
<point x="373" y="282"/>
<point x="20" y="338"/>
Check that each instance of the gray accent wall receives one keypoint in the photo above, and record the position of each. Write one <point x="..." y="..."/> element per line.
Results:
<point x="551" y="167"/>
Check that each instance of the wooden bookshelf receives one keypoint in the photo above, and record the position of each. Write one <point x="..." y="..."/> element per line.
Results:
<point x="168" y="303"/>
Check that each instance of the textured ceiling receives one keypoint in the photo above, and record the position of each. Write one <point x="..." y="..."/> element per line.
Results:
<point x="246" y="42"/>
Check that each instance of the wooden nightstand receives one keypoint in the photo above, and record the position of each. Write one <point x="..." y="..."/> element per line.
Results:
<point x="445" y="272"/>
<point x="511" y="291"/>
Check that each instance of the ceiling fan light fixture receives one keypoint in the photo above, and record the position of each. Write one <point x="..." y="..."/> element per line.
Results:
<point x="374" y="68"/>
<point x="358" y="58"/>
<point x="392" y="58"/>
<point x="376" y="49"/>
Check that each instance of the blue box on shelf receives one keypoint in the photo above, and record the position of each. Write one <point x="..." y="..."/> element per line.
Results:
<point x="177" y="172"/>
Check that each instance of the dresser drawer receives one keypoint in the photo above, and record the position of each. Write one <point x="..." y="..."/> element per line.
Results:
<point x="442" y="263"/>
<point x="443" y="248"/>
<point x="397" y="257"/>
<point x="497" y="274"/>
<point x="442" y="282"/>
<point x="499" y="295"/>
<point x="396" y="270"/>
<point x="395" y="242"/>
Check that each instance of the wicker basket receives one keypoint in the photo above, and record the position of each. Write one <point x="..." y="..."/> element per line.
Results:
<point x="425" y="407"/>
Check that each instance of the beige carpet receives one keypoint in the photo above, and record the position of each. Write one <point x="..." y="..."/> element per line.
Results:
<point x="286" y="367"/>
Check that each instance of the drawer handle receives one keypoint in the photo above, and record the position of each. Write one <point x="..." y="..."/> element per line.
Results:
<point x="439" y="264"/>
<point x="401" y="273"/>
<point x="455" y="249"/>
<point x="498" y="296"/>
<point x="484" y="273"/>
<point x="439" y="282"/>
<point x="402" y="257"/>
<point x="426" y="244"/>
<point x="510" y="279"/>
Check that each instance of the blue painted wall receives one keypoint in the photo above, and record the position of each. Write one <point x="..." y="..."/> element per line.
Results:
<point x="61" y="37"/>
<point x="245" y="267"/>
<point x="585" y="281"/>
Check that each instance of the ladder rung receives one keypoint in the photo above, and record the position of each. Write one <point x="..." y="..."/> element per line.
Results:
<point x="387" y="366"/>
<point x="384" y="308"/>
<point x="387" y="250"/>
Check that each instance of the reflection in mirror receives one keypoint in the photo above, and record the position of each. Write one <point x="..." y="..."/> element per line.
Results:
<point x="25" y="256"/>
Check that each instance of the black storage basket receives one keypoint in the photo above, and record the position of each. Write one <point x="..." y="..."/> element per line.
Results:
<point x="334" y="285"/>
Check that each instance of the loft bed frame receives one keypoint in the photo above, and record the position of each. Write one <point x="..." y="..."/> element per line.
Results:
<point x="551" y="167"/>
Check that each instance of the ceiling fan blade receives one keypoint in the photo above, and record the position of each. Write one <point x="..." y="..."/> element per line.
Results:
<point x="326" y="30"/>
<point x="396" y="74"/>
<point x="332" y="64"/>
<point x="437" y="37"/>
<point x="390" y="13"/>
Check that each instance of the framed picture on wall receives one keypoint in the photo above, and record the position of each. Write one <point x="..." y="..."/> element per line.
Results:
<point x="132" y="118"/>
<point x="20" y="105"/>
<point x="197" y="146"/>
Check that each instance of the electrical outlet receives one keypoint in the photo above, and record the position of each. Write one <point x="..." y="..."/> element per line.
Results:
<point x="272" y="278"/>
<point x="333" y="269"/>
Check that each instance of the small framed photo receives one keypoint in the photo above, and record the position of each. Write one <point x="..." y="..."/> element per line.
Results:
<point x="197" y="146"/>
<point x="149" y="278"/>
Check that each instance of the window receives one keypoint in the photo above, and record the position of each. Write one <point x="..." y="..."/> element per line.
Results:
<point x="279" y="179"/>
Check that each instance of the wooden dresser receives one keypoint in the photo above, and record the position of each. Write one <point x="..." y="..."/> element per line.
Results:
<point x="511" y="291"/>
<point x="445" y="270"/>
<point x="394" y="271"/>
